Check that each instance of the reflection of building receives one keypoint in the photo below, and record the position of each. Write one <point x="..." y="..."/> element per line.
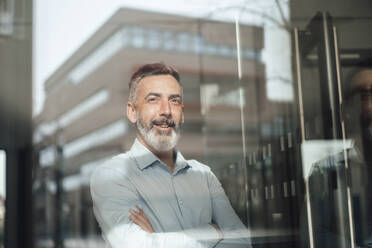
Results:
<point x="83" y="120"/>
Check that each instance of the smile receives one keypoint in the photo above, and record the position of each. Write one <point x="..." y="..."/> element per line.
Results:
<point x="163" y="126"/>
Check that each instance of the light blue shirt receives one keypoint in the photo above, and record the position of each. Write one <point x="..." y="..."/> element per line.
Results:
<point x="180" y="204"/>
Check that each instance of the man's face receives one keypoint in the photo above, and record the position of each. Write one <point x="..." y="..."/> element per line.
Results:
<point x="159" y="111"/>
<point x="363" y="82"/>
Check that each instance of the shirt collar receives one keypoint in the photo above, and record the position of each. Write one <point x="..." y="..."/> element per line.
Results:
<point x="181" y="163"/>
<point x="144" y="157"/>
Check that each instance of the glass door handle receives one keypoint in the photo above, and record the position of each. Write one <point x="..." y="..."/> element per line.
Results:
<point x="302" y="124"/>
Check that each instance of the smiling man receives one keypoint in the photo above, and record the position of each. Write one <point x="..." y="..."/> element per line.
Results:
<point x="151" y="196"/>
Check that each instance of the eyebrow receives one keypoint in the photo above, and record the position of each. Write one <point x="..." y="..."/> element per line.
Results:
<point x="159" y="95"/>
<point x="152" y="94"/>
<point x="175" y="96"/>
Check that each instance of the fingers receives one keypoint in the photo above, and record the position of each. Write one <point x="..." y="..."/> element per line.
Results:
<point x="140" y="210"/>
<point x="140" y="218"/>
<point x="143" y="215"/>
<point x="136" y="218"/>
<point x="140" y="215"/>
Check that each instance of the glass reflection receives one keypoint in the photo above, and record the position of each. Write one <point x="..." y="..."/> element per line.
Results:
<point x="358" y="104"/>
<point x="291" y="146"/>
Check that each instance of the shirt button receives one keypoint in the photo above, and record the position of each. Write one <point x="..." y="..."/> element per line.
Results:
<point x="180" y="201"/>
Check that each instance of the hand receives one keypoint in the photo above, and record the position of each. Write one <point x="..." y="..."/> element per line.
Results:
<point x="220" y="234"/>
<point x="140" y="218"/>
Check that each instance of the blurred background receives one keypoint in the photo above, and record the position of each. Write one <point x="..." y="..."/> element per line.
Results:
<point x="278" y="102"/>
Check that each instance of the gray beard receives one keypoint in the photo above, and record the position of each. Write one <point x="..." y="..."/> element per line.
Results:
<point x="159" y="140"/>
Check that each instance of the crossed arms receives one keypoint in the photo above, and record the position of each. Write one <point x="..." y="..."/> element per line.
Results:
<point x="139" y="217"/>
<point x="125" y="225"/>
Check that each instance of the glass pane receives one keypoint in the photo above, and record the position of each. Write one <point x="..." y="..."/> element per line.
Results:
<point x="330" y="144"/>
<point x="325" y="178"/>
<point x="274" y="196"/>
<point x="277" y="102"/>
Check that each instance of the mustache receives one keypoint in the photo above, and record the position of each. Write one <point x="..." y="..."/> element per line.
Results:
<point x="168" y="122"/>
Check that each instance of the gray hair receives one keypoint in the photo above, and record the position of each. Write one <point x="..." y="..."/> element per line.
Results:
<point x="149" y="70"/>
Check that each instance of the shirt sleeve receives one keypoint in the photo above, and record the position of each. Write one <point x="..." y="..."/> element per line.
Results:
<point x="234" y="232"/>
<point x="113" y="195"/>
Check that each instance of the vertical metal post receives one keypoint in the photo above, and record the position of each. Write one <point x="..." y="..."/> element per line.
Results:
<point x="242" y="117"/>
<point x="302" y="123"/>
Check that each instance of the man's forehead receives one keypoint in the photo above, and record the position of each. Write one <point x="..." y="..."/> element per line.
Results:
<point x="160" y="84"/>
<point x="363" y="79"/>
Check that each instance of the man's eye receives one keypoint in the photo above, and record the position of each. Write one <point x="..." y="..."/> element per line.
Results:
<point x="151" y="99"/>
<point x="176" y="100"/>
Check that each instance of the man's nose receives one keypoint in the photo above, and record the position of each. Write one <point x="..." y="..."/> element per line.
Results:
<point x="165" y="108"/>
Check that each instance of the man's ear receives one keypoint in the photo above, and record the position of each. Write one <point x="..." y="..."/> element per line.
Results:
<point x="131" y="112"/>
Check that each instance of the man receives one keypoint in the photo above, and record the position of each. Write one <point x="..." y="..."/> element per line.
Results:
<point x="358" y="108"/>
<point x="152" y="196"/>
<point x="361" y="83"/>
